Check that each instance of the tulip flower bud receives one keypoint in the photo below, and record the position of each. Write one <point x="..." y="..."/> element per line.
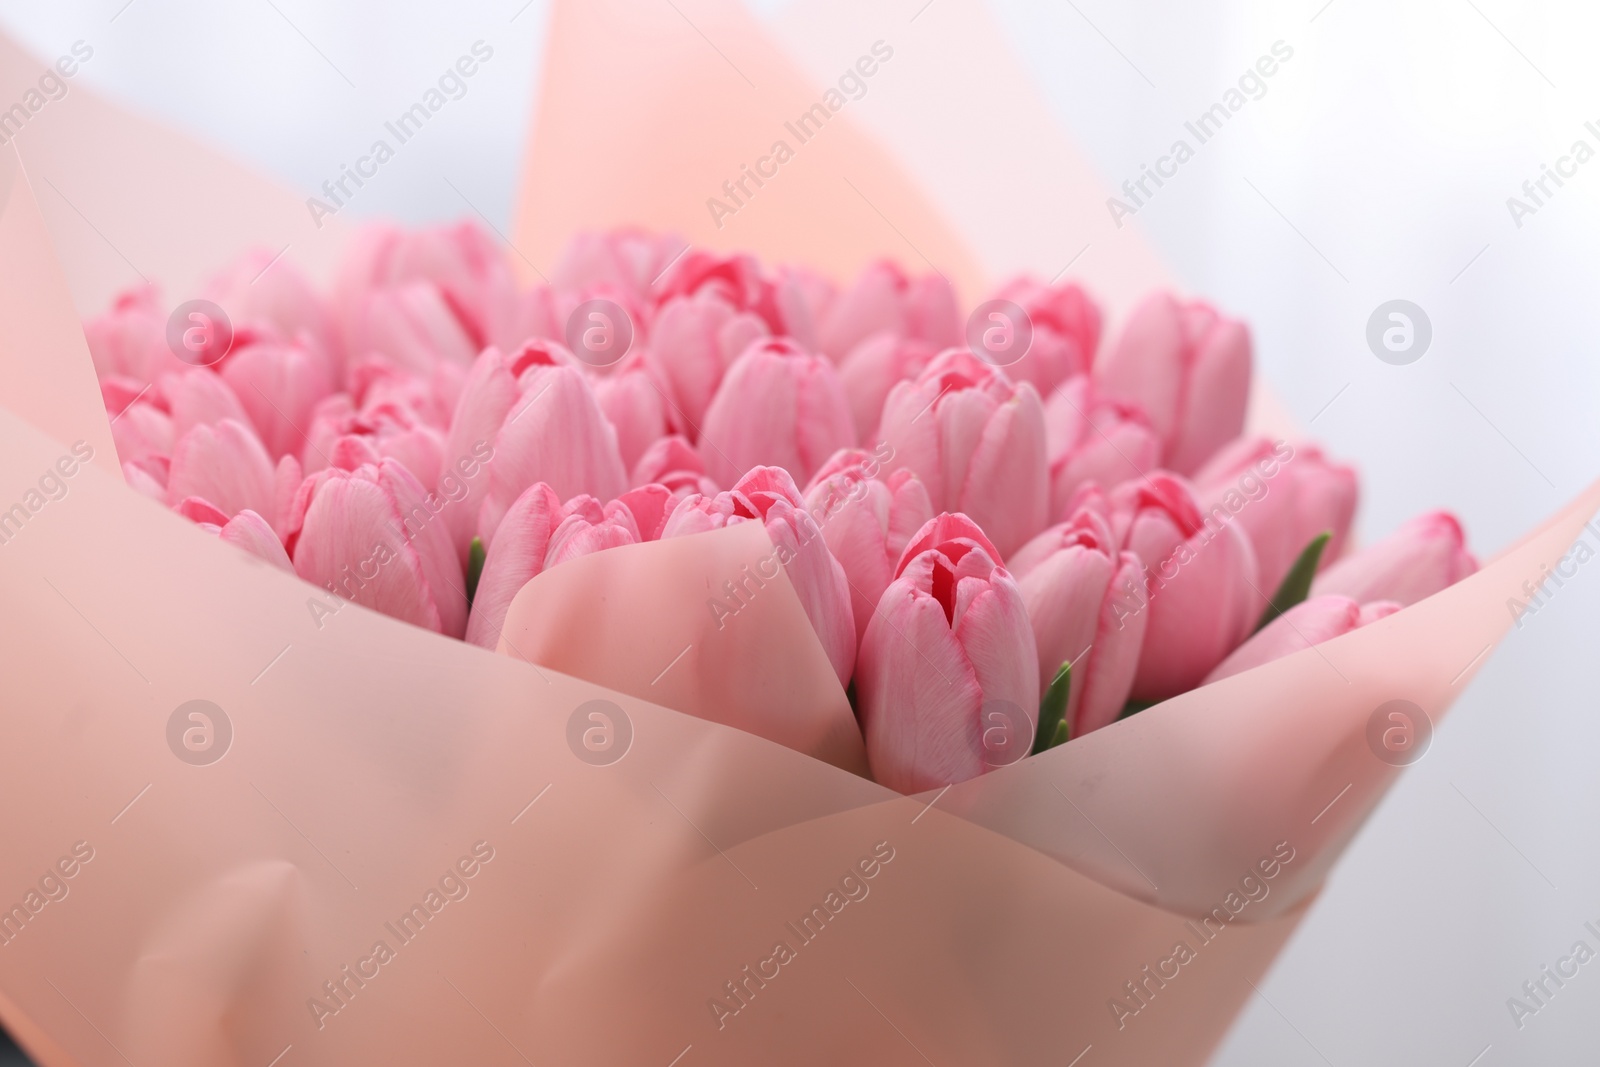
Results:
<point x="224" y="464"/>
<point x="1073" y="579"/>
<point x="693" y="341"/>
<point x="279" y="386"/>
<point x="870" y="370"/>
<point x="1425" y="555"/>
<point x="779" y="406"/>
<point x="1203" y="596"/>
<point x="883" y="298"/>
<point x="948" y="683"/>
<point x="1310" y="622"/>
<point x="1093" y="439"/>
<point x="1188" y="367"/>
<point x="977" y="441"/>
<point x="1066" y="332"/>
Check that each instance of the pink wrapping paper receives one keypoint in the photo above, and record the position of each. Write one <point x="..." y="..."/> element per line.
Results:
<point x="588" y="908"/>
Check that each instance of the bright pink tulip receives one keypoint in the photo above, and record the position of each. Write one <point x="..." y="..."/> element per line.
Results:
<point x="737" y="280"/>
<point x="1311" y="622"/>
<point x="866" y="522"/>
<point x="1073" y="580"/>
<point x="1202" y="584"/>
<point x="769" y="495"/>
<point x="977" y="442"/>
<point x="196" y="395"/>
<point x="554" y="433"/>
<point x="693" y="341"/>
<point x="1425" y="555"/>
<point x="635" y="406"/>
<point x="1188" y="367"/>
<point x="130" y="338"/>
<point x="779" y="406"/>
<point x="673" y="462"/>
<point x="224" y="464"/>
<point x="882" y="298"/>
<point x="1283" y="495"/>
<point x="382" y="429"/>
<point x="1066" y="332"/>
<point x="948" y="685"/>
<point x="870" y="371"/>
<point x="368" y="535"/>
<point x="250" y="531"/>
<point x="1094" y="439"/>
<point x="279" y="386"/>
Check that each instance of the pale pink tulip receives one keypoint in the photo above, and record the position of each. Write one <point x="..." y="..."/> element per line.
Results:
<point x="554" y="433"/>
<point x="1073" y="579"/>
<point x="948" y="684"/>
<point x="267" y="298"/>
<point x="737" y="280"/>
<point x="368" y="535"/>
<point x="693" y="341"/>
<point x="870" y="370"/>
<point x="673" y="462"/>
<point x="1203" y="593"/>
<point x="411" y="325"/>
<point x="486" y="398"/>
<point x="1311" y="622"/>
<point x="382" y="429"/>
<point x="634" y="404"/>
<point x="1093" y="439"/>
<point x="883" y="298"/>
<point x="141" y="429"/>
<point x="1425" y="555"/>
<point x="251" y="532"/>
<point x="626" y="261"/>
<point x="866" y="522"/>
<point x="279" y="386"/>
<point x="1188" y="367"/>
<point x="130" y="338"/>
<point x="778" y="406"/>
<point x="769" y="495"/>
<point x="142" y="479"/>
<point x="1066" y="332"/>
<point x="224" y="464"/>
<point x="977" y="442"/>
<point x="1284" y="496"/>
<point x="197" y="395"/>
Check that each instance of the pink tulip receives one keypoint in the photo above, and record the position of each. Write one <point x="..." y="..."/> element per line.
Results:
<point x="1311" y="622"/>
<point x="197" y="395"/>
<point x="948" y="685"/>
<point x="486" y="398"/>
<point x="1094" y="439"/>
<point x="268" y="299"/>
<point x="130" y="338"/>
<point x="411" y="325"/>
<point x="1284" y="496"/>
<point x="279" y="386"/>
<point x="1425" y="555"/>
<point x="224" y="464"/>
<point x="693" y="341"/>
<point x="673" y="462"/>
<point x="539" y="532"/>
<point x="140" y="430"/>
<point x="1188" y="367"/>
<point x="1073" y="580"/>
<point x="367" y="535"/>
<point x="146" y="481"/>
<point x="1201" y="578"/>
<point x="871" y="369"/>
<point x="769" y="495"/>
<point x="626" y="261"/>
<point x="430" y="397"/>
<point x="977" y="441"/>
<point x="779" y="406"/>
<point x="866" y="522"/>
<point x="554" y="433"/>
<point x="634" y="405"/>
<point x="250" y="531"/>
<point x="1066" y="332"/>
<point x="883" y="298"/>
<point x="338" y="427"/>
<point x="737" y="280"/>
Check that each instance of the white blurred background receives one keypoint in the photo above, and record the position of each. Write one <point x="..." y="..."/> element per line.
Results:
<point x="1376" y="167"/>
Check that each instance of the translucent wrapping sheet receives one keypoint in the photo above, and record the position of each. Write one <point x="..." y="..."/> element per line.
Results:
<point x="378" y="845"/>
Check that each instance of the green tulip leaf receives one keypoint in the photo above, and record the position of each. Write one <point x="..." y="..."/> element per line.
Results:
<point x="475" y="557"/>
<point x="1052" y="727"/>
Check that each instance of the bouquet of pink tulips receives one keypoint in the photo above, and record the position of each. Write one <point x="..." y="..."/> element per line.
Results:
<point x="1005" y="531"/>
